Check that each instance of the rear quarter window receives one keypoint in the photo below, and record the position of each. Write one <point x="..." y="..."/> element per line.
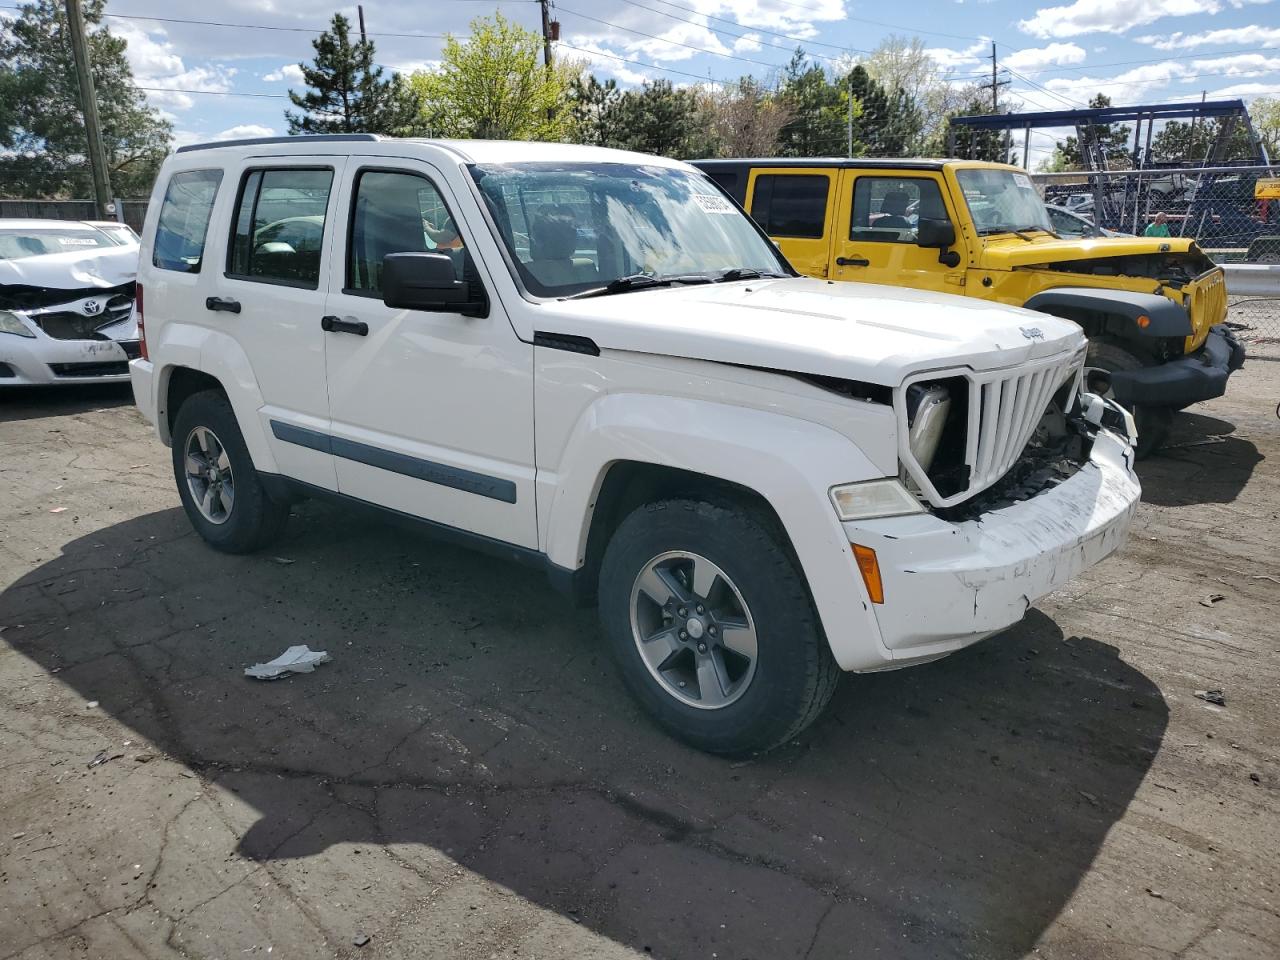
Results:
<point x="184" y="220"/>
<point x="791" y="205"/>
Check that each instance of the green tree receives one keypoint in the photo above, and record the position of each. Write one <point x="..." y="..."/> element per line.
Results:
<point x="819" y="111"/>
<point x="591" y="105"/>
<point x="494" y="87"/>
<point x="42" y="133"/>
<point x="346" y="92"/>
<point x="1113" y="138"/>
<point x="977" y="144"/>
<point x="1178" y="141"/>
<point x="1265" y="113"/>
<point x="662" y="119"/>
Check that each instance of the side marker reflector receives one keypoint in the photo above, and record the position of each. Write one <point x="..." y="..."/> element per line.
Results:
<point x="869" y="567"/>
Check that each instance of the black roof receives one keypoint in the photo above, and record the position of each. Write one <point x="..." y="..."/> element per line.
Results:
<point x="878" y="163"/>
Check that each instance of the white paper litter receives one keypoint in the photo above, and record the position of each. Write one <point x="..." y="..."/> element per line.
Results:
<point x="300" y="659"/>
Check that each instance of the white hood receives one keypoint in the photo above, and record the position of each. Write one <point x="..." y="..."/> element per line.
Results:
<point x="856" y="331"/>
<point x="101" y="267"/>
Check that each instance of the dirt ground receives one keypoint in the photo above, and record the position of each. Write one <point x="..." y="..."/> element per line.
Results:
<point x="467" y="778"/>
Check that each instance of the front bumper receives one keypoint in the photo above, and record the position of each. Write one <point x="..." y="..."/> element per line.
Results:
<point x="42" y="359"/>
<point x="1188" y="379"/>
<point x="947" y="585"/>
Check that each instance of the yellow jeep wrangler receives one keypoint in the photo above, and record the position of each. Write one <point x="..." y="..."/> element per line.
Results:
<point x="1151" y="306"/>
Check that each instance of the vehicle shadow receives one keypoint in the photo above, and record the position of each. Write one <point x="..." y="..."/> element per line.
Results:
<point x="1201" y="463"/>
<point x="32" y="403"/>
<point x="470" y="716"/>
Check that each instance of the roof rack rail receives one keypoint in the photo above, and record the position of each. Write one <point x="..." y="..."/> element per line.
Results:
<point x="257" y="141"/>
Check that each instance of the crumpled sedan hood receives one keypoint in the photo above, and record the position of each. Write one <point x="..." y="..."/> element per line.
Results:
<point x="101" y="267"/>
<point x="855" y="331"/>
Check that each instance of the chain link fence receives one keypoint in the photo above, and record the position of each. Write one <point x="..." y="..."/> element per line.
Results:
<point x="1215" y="206"/>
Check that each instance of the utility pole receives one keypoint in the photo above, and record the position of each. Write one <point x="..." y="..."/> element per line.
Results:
<point x="89" y="108"/>
<point x="360" y="14"/>
<point x="995" y="86"/>
<point x="546" y="32"/>
<point x="850" y="148"/>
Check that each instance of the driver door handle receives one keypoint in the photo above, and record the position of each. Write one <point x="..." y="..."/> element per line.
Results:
<point x="222" y="303"/>
<point x="852" y="262"/>
<point x="338" y="325"/>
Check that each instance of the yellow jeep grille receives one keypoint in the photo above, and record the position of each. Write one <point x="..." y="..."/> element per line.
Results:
<point x="1207" y="300"/>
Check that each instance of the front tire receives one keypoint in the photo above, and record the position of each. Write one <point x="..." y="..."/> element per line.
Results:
<point x="711" y="624"/>
<point x="218" y="485"/>
<point x="1153" y="422"/>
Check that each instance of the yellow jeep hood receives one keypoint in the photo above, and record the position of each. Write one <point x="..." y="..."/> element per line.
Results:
<point x="1006" y="252"/>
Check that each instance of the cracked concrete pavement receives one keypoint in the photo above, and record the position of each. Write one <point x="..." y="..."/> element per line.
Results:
<point x="467" y="779"/>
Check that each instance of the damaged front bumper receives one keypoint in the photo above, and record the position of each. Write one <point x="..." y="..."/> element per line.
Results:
<point x="948" y="584"/>
<point x="1186" y="380"/>
<point x="89" y="339"/>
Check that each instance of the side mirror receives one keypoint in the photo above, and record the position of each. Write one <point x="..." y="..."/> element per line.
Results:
<point x="935" y="233"/>
<point x="426" y="281"/>
<point x="940" y="234"/>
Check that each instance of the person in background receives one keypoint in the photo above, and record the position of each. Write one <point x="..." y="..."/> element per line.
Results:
<point x="1157" y="227"/>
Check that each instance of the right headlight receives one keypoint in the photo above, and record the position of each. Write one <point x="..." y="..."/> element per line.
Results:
<point x="10" y="323"/>
<point x="875" y="498"/>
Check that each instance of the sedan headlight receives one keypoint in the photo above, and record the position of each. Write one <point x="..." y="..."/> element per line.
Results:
<point x="10" y="323"/>
<point x="875" y="498"/>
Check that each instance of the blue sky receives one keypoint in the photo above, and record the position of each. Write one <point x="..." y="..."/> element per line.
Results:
<point x="1059" y="54"/>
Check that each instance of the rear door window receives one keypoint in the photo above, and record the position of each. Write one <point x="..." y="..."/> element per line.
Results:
<point x="791" y="205"/>
<point x="279" y="226"/>
<point x="184" y="220"/>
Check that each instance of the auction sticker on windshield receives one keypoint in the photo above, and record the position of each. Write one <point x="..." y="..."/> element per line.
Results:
<point x="713" y="204"/>
<point x="1022" y="180"/>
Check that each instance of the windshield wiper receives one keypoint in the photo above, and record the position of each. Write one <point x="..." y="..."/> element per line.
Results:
<point x="637" y="281"/>
<point x="747" y="273"/>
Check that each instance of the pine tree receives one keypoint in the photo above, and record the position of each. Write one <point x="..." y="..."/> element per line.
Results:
<point x="346" y="92"/>
<point x="42" y="135"/>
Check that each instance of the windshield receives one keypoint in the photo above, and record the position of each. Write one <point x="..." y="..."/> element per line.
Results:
<point x="18" y="243"/>
<point x="575" y="227"/>
<point x="1002" y="201"/>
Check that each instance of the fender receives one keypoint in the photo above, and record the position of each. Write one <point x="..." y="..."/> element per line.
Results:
<point x="792" y="463"/>
<point x="1167" y="319"/>
<point x="221" y="357"/>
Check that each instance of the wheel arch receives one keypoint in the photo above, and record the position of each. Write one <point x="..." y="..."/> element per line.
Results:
<point x="1120" y="313"/>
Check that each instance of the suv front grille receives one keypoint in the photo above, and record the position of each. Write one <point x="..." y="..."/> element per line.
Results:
<point x="109" y="368"/>
<point x="1003" y="410"/>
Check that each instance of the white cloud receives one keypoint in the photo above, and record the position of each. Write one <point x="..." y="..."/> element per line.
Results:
<point x="161" y="71"/>
<point x="948" y="59"/>
<point x="289" y="71"/>
<point x="681" y="42"/>
<point x="1254" y="36"/>
<point x="1135" y="83"/>
<point x="1107" y="16"/>
<point x="746" y="43"/>
<point x="603" y="61"/>
<point x="1038" y="58"/>
<point x="244" y="131"/>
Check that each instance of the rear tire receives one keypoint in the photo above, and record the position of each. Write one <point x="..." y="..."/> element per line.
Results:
<point x="1153" y="422"/>
<point x="730" y="658"/>
<point x="219" y="487"/>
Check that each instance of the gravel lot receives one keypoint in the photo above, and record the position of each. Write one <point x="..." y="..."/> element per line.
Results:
<point x="467" y="779"/>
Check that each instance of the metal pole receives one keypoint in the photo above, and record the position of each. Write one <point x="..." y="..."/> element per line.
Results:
<point x="360" y="14"/>
<point x="546" y="32"/>
<point x="1026" y="145"/>
<point x="850" y="147"/>
<point x="89" y="109"/>
<point x="995" y="87"/>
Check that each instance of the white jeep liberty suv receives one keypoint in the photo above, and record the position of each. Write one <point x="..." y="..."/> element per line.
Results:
<point x="595" y="362"/>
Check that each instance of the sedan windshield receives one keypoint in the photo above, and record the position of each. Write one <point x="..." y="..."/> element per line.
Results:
<point x="1002" y="201"/>
<point x="16" y="243"/>
<point x="606" y="228"/>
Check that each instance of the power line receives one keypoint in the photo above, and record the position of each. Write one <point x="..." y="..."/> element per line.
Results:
<point x="640" y="63"/>
<point x="734" y="23"/>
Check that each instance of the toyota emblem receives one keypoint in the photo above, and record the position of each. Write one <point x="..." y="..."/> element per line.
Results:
<point x="91" y="308"/>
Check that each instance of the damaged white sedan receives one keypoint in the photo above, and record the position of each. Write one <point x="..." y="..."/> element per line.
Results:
<point x="66" y="303"/>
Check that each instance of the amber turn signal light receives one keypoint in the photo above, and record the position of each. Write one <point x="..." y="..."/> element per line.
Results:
<point x="869" y="567"/>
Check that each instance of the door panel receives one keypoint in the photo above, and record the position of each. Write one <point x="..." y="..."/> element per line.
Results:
<point x="270" y="296"/>
<point x="432" y="413"/>
<point x="875" y="233"/>
<point x="793" y="205"/>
